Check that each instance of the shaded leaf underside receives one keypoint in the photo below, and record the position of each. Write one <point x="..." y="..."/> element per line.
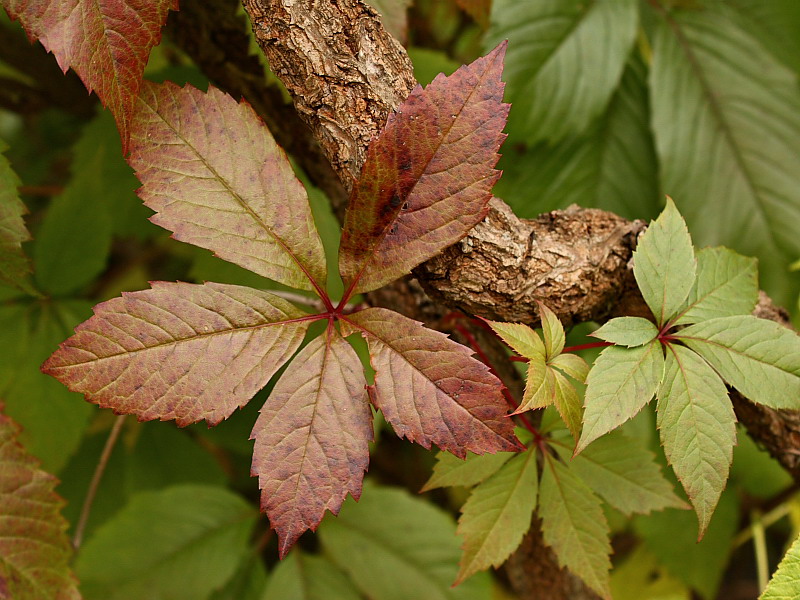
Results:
<point x="106" y="42"/>
<point x="216" y="178"/>
<point x="312" y="437"/>
<point x="179" y="351"/>
<point x="430" y="388"/>
<point x="428" y="177"/>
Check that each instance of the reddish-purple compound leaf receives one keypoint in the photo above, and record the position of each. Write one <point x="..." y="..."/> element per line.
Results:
<point x="431" y="389"/>
<point x="215" y="177"/>
<point x="179" y="351"/>
<point x="312" y="438"/>
<point x="106" y="42"/>
<point x="428" y="176"/>
<point x="34" y="550"/>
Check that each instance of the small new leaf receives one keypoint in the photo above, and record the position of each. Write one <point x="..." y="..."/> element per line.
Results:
<point x="450" y="470"/>
<point x="430" y="388"/>
<point x="427" y="178"/>
<point x="521" y="339"/>
<point x="215" y="177"/>
<point x="312" y="438"/>
<point x="179" y="351"/>
<point x="573" y="365"/>
<point x="627" y="331"/>
<point x="726" y="285"/>
<point x="758" y="357"/>
<point x="568" y="403"/>
<point x="553" y="332"/>
<point x="664" y="264"/>
<point x="497" y="514"/>
<point x="621" y="382"/>
<point x="539" y="387"/>
<point x="697" y="426"/>
<point x="573" y="524"/>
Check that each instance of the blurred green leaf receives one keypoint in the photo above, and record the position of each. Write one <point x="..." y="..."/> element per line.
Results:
<point x="182" y="542"/>
<point x="640" y="577"/>
<point x="15" y="267"/>
<point x="395" y="547"/>
<point x="248" y="583"/>
<point x="565" y="59"/>
<point x="726" y="117"/>
<point x="755" y="470"/>
<point x="429" y="63"/>
<point x="303" y="577"/>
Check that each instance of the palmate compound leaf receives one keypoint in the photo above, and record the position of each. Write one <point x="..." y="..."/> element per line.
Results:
<point x="14" y="265"/>
<point x="430" y="388"/>
<point x="427" y="178"/>
<point x="698" y="428"/>
<point x="664" y="264"/>
<point x="624" y="474"/>
<point x="758" y="357"/>
<point x="573" y="524"/>
<point x="106" y="42"/>
<point x="34" y="550"/>
<point x="621" y="382"/>
<point x="497" y="514"/>
<point x="312" y="437"/>
<point x="179" y="351"/>
<point x="215" y="177"/>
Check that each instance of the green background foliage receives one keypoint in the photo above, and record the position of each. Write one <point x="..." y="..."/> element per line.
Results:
<point x="615" y="103"/>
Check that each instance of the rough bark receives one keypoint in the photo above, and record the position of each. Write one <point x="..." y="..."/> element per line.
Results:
<point x="345" y="74"/>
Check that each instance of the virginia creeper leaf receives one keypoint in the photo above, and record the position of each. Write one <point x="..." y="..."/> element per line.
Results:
<point x="312" y="438"/>
<point x="624" y="474"/>
<point x="215" y="177"/>
<point x="396" y="546"/>
<point x="430" y="388"/>
<point x="34" y="550"/>
<point x="568" y="403"/>
<point x="181" y="543"/>
<point x="664" y="264"/>
<point x="571" y="364"/>
<point x="627" y="331"/>
<point x="621" y="382"/>
<point x="573" y="524"/>
<point x="427" y="178"/>
<point x="106" y="42"/>
<point x="451" y="471"/>
<point x="497" y="514"/>
<point x="553" y="332"/>
<point x="727" y="285"/>
<point x="698" y="428"/>
<point x="522" y="339"/>
<point x="179" y="351"/>
<point x="564" y="62"/>
<point x="758" y="357"/>
<point x="14" y="265"/>
<point x="783" y="585"/>
<point x="304" y="577"/>
<point x="540" y="386"/>
<point x="716" y="91"/>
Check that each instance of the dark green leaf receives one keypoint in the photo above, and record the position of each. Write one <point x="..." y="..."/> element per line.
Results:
<point x="303" y="577"/>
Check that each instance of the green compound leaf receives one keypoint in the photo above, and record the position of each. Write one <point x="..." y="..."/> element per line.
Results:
<point x="627" y="331"/>
<point x="758" y="357"/>
<point x="15" y="267"/>
<point x="450" y="470"/>
<point x="521" y="338"/>
<point x="727" y="285"/>
<point x="395" y="546"/>
<point x="181" y="543"/>
<point x="564" y="62"/>
<point x="427" y="177"/>
<point x="573" y="524"/>
<point x="783" y="585"/>
<point x="573" y="365"/>
<point x="34" y="550"/>
<point x="624" y="474"/>
<point x="553" y="332"/>
<point x="497" y="514"/>
<point x="717" y="93"/>
<point x="303" y="577"/>
<point x="621" y="382"/>
<point x="698" y="428"/>
<point x="664" y="264"/>
<point x="215" y="177"/>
